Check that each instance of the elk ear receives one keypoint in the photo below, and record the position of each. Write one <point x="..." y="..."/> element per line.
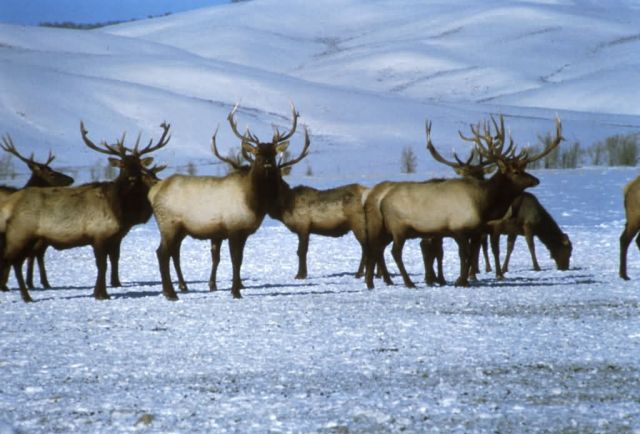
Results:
<point x="246" y="146"/>
<point x="281" y="147"/>
<point x="146" y="161"/>
<point x="115" y="162"/>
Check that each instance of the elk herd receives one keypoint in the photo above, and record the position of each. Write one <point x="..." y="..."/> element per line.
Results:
<point x="486" y="200"/>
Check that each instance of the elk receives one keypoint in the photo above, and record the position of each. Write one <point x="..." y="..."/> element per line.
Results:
<point x="459" y="208"/>
<point x="42" y="175"/>
<point x="526" y="216"/>
<point x="632" y="223"/>
<point x="97" y="214"/>
<point x="334" y="212"/>
<point x="431" y="247"/>
<point x="234" y="208"/>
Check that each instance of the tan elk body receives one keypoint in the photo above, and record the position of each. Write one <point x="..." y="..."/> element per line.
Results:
<point x="333" y="212"/>
<point x="96" y="214"/>
<point x="218" y="208"/>
<point x="632" y="223"/>
<point x="42" y="175"/>
<point x="459" y="208"/>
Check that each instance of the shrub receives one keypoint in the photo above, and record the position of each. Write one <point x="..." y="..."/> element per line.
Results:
<point x="408" y="160"/>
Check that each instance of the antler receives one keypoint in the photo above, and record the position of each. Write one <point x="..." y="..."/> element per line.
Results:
<point x="304" y="153"/>
<point x="162" y="142"/>
<point x="436" y="155"/>
<point x="277" y="138"/>
<point x="106" y="148"/>
<point x="8" y="146"/>
<point x="491" y="146"/>
<point x="549" y="147"/>
<point x="214" y="148"/>
<point x="247" y="137"/>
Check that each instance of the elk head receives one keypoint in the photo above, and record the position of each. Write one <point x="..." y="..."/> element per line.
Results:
<point x="491" y="146"/>
<point x="562" y="254"/>
<point x="133" y="167"/>
<point x="41" y="173"/>
<point x="262" y="155"/>
<point x="466" y="169"/>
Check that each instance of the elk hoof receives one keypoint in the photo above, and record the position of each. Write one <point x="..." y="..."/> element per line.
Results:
<point x="183" y="287"/>
<point x="213" y="287"/>
<point x="462" y="282"/>
<point x="301" y="276"/>
<point x="4" y="288"/>
<point x="27" y="299"/>
<point x="622" y="276"/>
<point x="170" y="297"/>
<point x="101" y="296"/>
<point x="236" y="294"/>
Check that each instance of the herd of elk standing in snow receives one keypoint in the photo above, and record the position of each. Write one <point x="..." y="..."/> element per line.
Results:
<point x="470" y="209"/>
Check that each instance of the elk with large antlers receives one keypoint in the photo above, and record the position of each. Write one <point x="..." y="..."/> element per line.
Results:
<point x="42" y="175"/>
<point x="459" y="208"/>
<point x="475" y="167"/>
<point x="218" y="208"/>
<point x="96" y="214"/>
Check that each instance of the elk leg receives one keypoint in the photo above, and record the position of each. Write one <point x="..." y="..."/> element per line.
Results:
<point x="625" y="239"/>
<point x="396" y="252"/>
<point x="113" y="252"/>
<point x="495" y="249"/>
<point x="382" y="269"/>
<point x="429" y="247"/>
<point x="363" y="260"/>
<point x="175" y="257"/>
<point x="464" y="254"/>
<point x="371" y="255"/>
<point x="100" y="290"/>
<point x="474" y="246"/>
<point x="4" y="276"/>
<point x="165" y="274"/>
<point x="30" y="264"/>
<point x="43" y="271"/>
<point x="303" y="247"/>
<point x="528" y="236"/>
<point x="511" y="242"/>
<point x="215" y="260"/>
<point x="24" y="292"/>
<point x="485" y="253"/>
<point x="236" y="250"/>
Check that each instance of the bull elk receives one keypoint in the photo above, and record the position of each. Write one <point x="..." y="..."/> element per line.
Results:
<point x="96" y="214"/>
<point x="459" y="208"/>
<point x="431" y="247"/>
<point x="526" y="216"/>
<point x="334" y="212"/>
<point x="42" y="175"/>
<point x="632" y="223"/>
<point x="218" y="208"/>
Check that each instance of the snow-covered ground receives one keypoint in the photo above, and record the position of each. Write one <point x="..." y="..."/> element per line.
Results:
<point x="539" y="351"/>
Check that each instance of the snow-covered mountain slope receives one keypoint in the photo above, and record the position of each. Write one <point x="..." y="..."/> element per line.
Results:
<point x="363" y="74"/>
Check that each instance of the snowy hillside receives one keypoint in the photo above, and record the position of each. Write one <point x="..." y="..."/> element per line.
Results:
<point x="363" y="74"/>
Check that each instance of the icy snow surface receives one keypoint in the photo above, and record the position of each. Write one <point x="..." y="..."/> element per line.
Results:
<point x="543" y="350"/>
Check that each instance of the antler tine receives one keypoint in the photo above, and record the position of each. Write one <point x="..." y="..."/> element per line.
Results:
<point x="162" y="142"/>
<point x="247" y="137"/>
<point x="108" y="149"/>
<point x="550" y="147"/>
<point x="304" y="153"/>
<point x="50" y="158"/>
<point x="432" y="150"/>
<point x="214" y="148"/>
<point x="8" y="146"/>
<point x="278" y="138"/>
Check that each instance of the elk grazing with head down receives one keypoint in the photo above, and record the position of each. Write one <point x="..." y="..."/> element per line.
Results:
<point x="459" y="208"/>
<point x="526" y="216"/>
<point x="474" y="168"/>
<point x="96" y="214"/>
<point x="632" y="223"/>
<point x="42" y="175"/>
<point x="218" y="208"/>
